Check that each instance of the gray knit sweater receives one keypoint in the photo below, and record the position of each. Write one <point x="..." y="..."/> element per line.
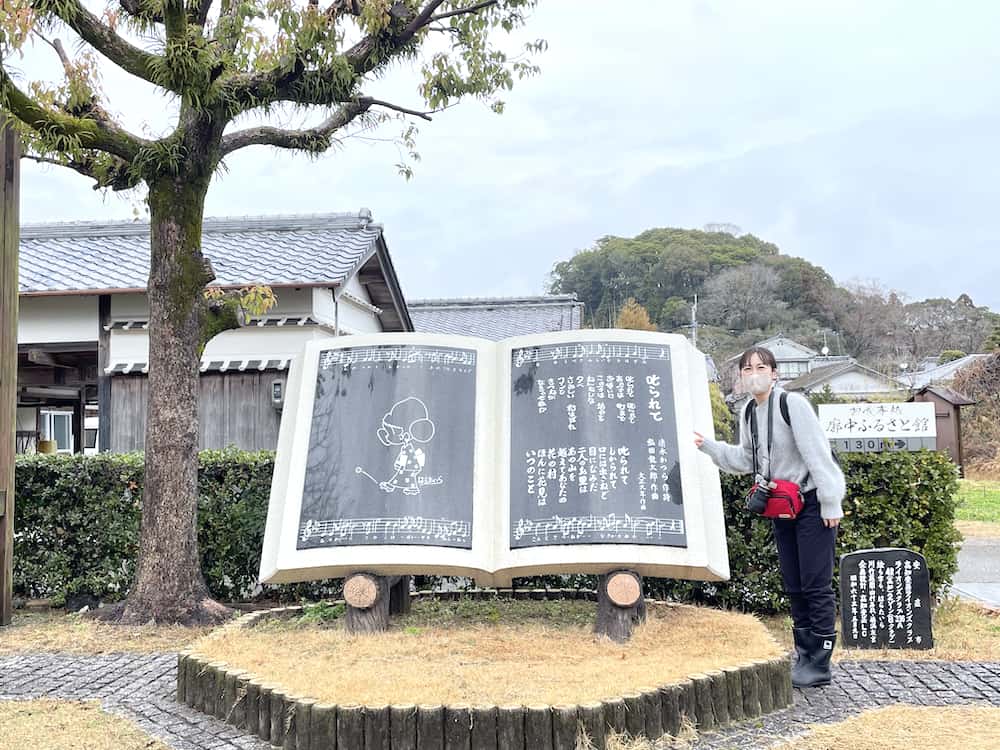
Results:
<point x="801" y="453"/>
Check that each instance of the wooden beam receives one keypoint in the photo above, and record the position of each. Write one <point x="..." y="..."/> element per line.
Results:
<point x="103" y="380"/>
<point x="39" y="357"/>
<point x="79" y="415"/>
<point x="9" y="239"/>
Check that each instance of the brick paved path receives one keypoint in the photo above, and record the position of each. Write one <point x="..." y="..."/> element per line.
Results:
<point x="137" y="687"/>
<point x="861" y="685"/>
<point x="141" y="687"/>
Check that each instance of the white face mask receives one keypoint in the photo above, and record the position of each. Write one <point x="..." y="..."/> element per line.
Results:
<point x="757" y="383"/>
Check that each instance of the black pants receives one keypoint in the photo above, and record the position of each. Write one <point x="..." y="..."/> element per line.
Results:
<point x="805" y="552"/>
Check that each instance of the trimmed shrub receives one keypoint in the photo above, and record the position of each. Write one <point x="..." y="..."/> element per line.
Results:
<point x="77" y="521"/>
<point x="76" y="526"/>
<point x="893" y="500"/>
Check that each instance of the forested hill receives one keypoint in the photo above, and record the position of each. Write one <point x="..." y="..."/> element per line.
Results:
<point x="748" y="290"/>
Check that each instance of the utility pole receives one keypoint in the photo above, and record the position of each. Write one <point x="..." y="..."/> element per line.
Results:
<point x="9" y="237"/>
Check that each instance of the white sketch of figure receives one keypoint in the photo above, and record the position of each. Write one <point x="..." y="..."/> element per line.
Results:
<point x="405" y="425"/>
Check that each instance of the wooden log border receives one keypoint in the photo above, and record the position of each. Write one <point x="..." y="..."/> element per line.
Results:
<point x="707" y="701"/>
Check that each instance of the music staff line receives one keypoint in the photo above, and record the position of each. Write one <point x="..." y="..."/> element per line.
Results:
<point x="403" y="355"/>
<point x="580" y="527"/>
<point x="406" y="527"/>
<point x="581" y="352"/>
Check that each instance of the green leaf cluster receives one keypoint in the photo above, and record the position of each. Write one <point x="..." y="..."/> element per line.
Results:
<point x="77" y="521"/>
<point x="893" y="500"/>
<point x="77" y="526"/>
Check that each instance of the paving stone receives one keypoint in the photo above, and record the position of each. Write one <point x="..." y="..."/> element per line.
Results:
<point x="140" y="688"/>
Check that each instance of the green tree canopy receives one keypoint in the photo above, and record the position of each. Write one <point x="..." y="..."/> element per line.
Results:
<point x="220" y="64"/>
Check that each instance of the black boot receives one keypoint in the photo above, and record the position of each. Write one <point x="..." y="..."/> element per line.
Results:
<point x="816" y="671"/>
<point x="803" y="645"/>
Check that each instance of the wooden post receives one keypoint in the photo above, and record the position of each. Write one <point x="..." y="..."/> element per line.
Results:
<point x="378" y="729"/>
<point x="369" y="599"/>
<point x="510" y="728"/>
<point x="9" y="238"/>
<point x="592" y="718"/>
<point x="103" y="379"/>
<point x="620" y="605"/>
<point x="403" y="727"/>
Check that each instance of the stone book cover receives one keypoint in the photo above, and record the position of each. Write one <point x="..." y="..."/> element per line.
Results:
<point x="449" y="455"/>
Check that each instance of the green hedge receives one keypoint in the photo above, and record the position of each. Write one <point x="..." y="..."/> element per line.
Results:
<point x="893" y="500"/>
<point x="77" y="519"/>
<point x="77" y="524"/>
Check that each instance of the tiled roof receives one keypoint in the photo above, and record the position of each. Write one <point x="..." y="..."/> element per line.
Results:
<point x="822" y="374"/>
<point x="88" y="257"/>
<point x="497" y="318"/>
<point x="818" y="375"/>
<point x="947" y="394"/>
<point x="941" y="373"/>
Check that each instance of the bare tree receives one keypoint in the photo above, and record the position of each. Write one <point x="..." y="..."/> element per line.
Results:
<point x="744" y="297"/>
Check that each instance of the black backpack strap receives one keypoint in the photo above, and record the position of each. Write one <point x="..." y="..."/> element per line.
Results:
<point x="783" y="405"/>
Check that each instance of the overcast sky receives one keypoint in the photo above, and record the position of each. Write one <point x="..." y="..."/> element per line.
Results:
<point x="858" y="135"/>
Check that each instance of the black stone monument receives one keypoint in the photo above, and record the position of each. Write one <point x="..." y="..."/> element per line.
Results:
<point x="885" y="599"/>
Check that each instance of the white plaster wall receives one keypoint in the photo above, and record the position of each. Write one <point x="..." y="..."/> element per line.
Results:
<point x="130" y="306"/>
<point x="129" y="346"/>
<point x="27" y="419"/>
<point x="859" y="382"/>
<point x="275" y="342"/>
<point x="47" y="320"/>
<point x="292" y="301"/>
<point x="323" y="307"/>
<point x="355" y="320"/>
<point x="358" y="289"/>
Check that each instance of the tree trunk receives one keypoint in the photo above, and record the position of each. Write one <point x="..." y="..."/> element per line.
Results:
<point x="169" y="586"/>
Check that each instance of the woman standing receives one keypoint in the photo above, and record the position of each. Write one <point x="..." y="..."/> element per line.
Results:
<point x="790" y="444"/>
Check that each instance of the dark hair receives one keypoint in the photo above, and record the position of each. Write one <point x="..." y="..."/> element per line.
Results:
<point x="766" y="356"/>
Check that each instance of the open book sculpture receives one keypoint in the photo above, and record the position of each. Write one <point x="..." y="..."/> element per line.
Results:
<point x="425" y="454"/>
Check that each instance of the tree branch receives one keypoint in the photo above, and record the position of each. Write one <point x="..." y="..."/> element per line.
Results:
<point x="360" y="55"/>
<point x="174" y="18"/>
<point x="315" y="140"/>
<point x="463" y="11"/>
<point x="61" y="51"/>
<point x="118" y="177"/>
<point x="201" y="12"/>
<point x="101" y="135"/>
<point x="389" y="105"/>
<point x="102" y="38"/>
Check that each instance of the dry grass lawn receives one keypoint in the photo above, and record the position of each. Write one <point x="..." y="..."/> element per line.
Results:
<point x="74" y="634"/>
<point x="908" y="727"/>
<point x="982" y="529"/>
<point x="962" y="632"/>
<point x="512" y="652"/>
<point x="57" y="725"/>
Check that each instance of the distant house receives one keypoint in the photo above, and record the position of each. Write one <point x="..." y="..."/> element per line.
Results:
<point x="497" y="318"/>
<point x="82" y="329"/>
<point x="793" y="359"/>
<point x="848" y="379"/>
<point x="939" y="374"/>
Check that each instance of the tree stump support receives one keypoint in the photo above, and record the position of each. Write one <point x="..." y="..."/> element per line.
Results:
<point x="620" y="605"/>
<point x="371" y="599"/>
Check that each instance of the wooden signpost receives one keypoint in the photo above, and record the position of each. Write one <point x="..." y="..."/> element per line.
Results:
<point x="9" y="235"/>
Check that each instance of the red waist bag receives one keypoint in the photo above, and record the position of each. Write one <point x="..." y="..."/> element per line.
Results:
<point x="784" y="501"/>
